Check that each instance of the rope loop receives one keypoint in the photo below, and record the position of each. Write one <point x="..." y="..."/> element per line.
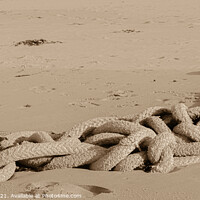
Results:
<point x="159" y="139"/>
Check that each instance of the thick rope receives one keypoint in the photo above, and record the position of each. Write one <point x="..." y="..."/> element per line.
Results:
<point x="18" y="137"/>
<point x="84" y="128"/>
<point x="132" y="162"/>
<point x="117" y="126"/>
<point x="159" y="139"/>
<point x="184" y="161"/>
<point x="37" y="162"/>
<point x="166" y="162"/>
<point x="157" y="124"/>
<point x="34" y="150"/>
<point x="121" y="150"/>
<point x="180" y="113"/>
<point x="91" y="154"/>
<point x="7" y="171"/>
<point x="158" y="144"/>
<point x="189" y="130"/>
<point x="105" y="138"/>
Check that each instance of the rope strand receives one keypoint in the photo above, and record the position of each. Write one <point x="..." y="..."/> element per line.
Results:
<point x="158" y="138"/>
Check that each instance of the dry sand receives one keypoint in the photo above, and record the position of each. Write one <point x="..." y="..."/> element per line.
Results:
<point x="107" y="58"/>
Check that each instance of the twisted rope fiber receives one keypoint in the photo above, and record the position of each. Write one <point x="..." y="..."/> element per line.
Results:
<point x="7" y="171"/>
<point x="158" y="144"/>
<point x="187" y="149"/>
<point x="132" y="162"/>
<point x="158" y="138"/>
<point x="180" y="113"/>
<point x="184" y="161"/>
<point x="17" y="137"/>
<point x="189" y="130"/>
<point x="117" y="126"/>
<point x="34" y="150"/>
<point x="166" y="163"/>
<point x="37" y="162"/>
<point x="159" y="126"/>
<point x="152" y="111"/>
<point x="121" y="150"/>
<point x="84" y="128"/>
<point x="105" y="138"/>
<point x="91" y="154"/>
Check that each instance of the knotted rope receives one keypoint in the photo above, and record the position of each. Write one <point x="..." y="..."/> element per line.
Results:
<point x="158" y="139"/>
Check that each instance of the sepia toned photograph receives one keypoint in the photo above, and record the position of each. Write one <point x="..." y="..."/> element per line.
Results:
<point x="99" y="99"/>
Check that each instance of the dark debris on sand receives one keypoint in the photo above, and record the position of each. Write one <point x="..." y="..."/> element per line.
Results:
<point x="36" y="42"/>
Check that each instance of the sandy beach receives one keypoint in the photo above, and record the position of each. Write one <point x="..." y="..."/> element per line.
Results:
<point x="97" y="59"/>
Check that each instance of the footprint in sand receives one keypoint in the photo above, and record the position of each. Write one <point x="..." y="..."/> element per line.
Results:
<point x="96" y="190"/>
<point x="85" y="103"/>
<point x="118" y="94"/>
<point x="61" y="189"/>
<point x="194" y="73"/>
<point x="109" y="83"/>
<point x="41" y="89"/>
<point x="178" y="97"/>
